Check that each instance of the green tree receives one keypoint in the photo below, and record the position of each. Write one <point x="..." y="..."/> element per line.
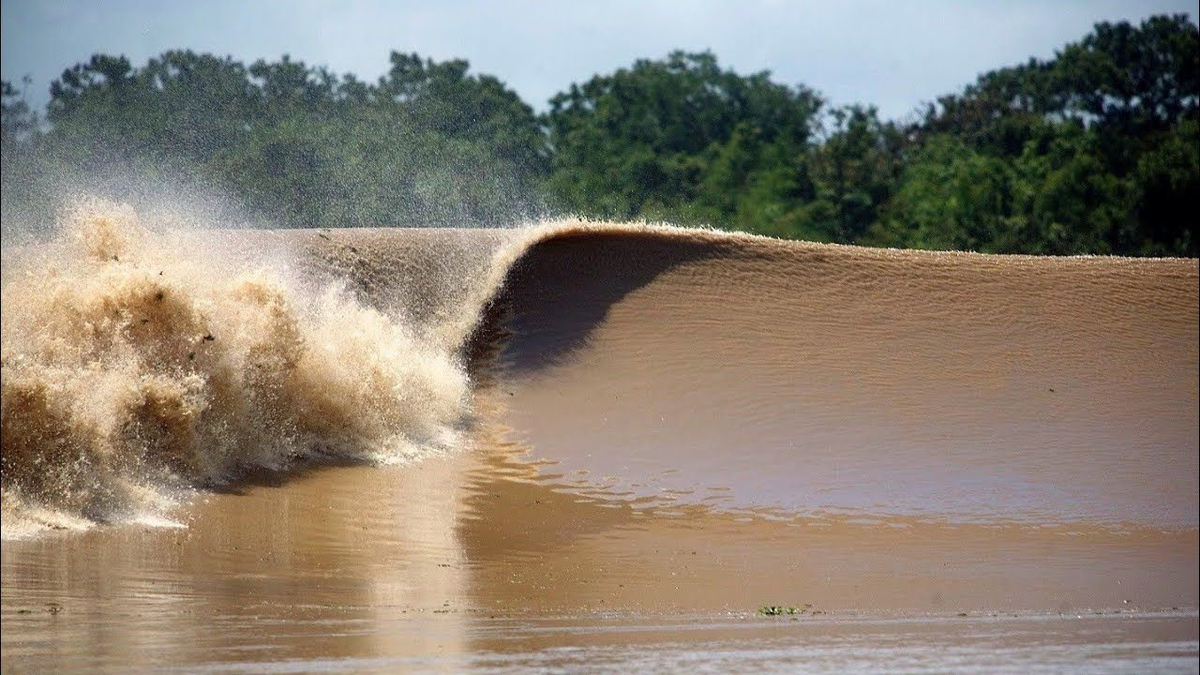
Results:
<point x="639" y="141"/>
<point x="1095" y="141"/>
<point x="445" y="99"/>
<point x="17" y="120"/>
<point x="1166" y="186"/>
<point x="854" y="172"/>
<point x="949" y="197"/>
<point x="1065" y="199"/>
<point x="1094" y="150"/>
<point x="430" y="143"/>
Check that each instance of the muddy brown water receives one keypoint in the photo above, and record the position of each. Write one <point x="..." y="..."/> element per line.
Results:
<point x="928" y="462"/>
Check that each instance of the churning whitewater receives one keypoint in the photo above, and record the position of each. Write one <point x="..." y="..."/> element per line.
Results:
<point x="137" y="365"/>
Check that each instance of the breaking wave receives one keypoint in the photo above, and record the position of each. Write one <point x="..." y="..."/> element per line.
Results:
<point x="142" y="363"/>
<point x="136" y="365"/>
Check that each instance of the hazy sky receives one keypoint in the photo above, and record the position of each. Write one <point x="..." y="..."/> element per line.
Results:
<point x="894" y="54"/>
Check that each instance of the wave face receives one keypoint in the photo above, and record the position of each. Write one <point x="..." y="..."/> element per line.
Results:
<point x="753" y="373"/>
<point x="652" y="363"/>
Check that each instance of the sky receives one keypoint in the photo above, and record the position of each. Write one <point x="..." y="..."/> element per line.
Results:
<point x="893" y="54"/>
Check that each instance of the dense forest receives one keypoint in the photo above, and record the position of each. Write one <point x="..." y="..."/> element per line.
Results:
<point x="1096" y="150"/>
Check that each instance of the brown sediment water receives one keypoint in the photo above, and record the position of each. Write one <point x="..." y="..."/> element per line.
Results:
<point x="591" y="446"/>
<point x="876" y="382"/>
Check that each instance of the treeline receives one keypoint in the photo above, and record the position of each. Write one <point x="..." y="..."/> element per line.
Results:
<point x="1094" y="151"/>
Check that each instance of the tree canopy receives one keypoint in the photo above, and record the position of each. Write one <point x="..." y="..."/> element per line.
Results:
<point x="429" y="143"/>
<point x="1096" y="150"/>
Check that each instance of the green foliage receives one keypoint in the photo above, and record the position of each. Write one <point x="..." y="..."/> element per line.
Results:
<point x="1091" y="152"/>
<point x="430" y="144"/>
<point x="853" y="173"/>
<point x="1096" y="150"/>
<point x="948" y="197"/>
<point x="643" y="141"/>
<point x="1166" y="195"/>
<point x="17" y="120"/>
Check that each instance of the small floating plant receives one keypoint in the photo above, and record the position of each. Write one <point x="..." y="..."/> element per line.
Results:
<point x="781" y="610"/>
